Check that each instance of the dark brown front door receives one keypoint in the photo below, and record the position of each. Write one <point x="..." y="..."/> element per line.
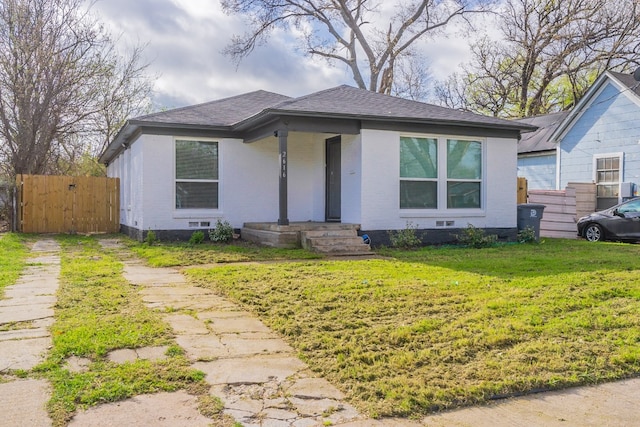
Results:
<point x="333" y="196"/>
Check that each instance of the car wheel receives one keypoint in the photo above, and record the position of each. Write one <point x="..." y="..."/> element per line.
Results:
<point x="593" y="233"/>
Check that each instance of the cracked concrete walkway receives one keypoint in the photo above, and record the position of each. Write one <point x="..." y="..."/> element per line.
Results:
<point x="26" y="312"/>
<point x="257" y="375"/>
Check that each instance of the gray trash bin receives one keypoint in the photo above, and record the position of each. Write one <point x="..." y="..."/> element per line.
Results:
<point x="529" y="215"/>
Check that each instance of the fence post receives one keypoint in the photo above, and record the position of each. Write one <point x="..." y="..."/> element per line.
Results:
<point x="14" y="209"/>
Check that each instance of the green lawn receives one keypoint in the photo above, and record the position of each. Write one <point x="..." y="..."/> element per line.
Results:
<point x="172" y="254"/>
<point x="98" y="311"/>
<point x="13" y="254"/>
<point x="424" y="330"/>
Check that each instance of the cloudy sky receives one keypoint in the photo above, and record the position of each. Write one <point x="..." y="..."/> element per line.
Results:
<point x="184" y="40"/>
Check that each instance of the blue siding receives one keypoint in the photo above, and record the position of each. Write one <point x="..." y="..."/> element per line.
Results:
<point x="610" y="124"/>
<point x="540" y="171"/>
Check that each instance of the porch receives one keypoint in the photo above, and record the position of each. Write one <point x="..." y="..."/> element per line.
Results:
<point x="325" y="237"/>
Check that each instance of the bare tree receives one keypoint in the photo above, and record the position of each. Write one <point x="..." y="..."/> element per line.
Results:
<point x="64" y="88"/>
<point x="371" y="37"/>
<point x="550" y="53"/>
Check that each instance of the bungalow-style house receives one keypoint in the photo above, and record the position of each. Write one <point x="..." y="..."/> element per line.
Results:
<point x="598" y="141"/>
<point x="272" y="165"/>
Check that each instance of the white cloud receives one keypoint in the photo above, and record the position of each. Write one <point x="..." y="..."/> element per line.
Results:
<point x="184" y="42"/>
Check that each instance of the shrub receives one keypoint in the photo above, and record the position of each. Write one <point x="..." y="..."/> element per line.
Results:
<point x="150" y="238"/>
<point x="406" y="238"/>
<point x="475" y="238"/>
<point x="222" y="233"/>
<point x="528" y="235"/>
<point x="196" y="238"/>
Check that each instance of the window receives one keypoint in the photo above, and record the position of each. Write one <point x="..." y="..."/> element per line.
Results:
<point x="431" y="180"/>
<point x="608" y="176"/>
<point x="607" y="180"/>
<point x="196" y="174"/>
<point x="464" y="174"/>
<point x="418" y="173"/>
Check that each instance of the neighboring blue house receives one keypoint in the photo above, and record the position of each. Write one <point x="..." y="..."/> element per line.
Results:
<point x="598" y="141"/>
<point x="537" y="153"/>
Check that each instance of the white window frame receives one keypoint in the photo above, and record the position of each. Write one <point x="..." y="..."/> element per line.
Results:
<point x="620" y="156"/>
<point x="443" y="180"/>
<point x="187" y="213"/>
<point x="448" y="180"/>
<point x="414" y="179"/>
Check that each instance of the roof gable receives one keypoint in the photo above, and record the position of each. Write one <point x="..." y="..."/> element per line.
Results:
<point x="624" y="83"/>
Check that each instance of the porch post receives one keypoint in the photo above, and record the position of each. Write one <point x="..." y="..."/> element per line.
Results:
<point x="282" y="135"/>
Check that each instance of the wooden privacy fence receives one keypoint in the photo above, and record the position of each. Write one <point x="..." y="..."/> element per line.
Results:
<point x="522" y="190"/>
<point x="65" y="204"/>
<point x="564" y="207"/>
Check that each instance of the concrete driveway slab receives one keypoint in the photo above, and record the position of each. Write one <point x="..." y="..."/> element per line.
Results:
<point x="21" y="313"/>
<point x="20" y="334"/>
<point x="177" y="409"/>
<point x="23" y="403"/>
<point x="250" y="370"/>
<point x="198" y="348"/>
<point x="612" y="404"/>
<point x="23" y="354"/>
<point x="148" y="276"/>
<point x="236" y="325"/>
<point x="186" y="324"/>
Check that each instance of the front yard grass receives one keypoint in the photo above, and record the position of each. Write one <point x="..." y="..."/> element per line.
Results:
<point x="424" y="330"/>
<point x="172" y="254"/>
<point x="98" y="311"/>
<point x="13" y="254"/>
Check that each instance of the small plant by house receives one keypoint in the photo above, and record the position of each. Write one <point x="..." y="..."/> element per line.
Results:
<point x="150" y="238"/>
<point x="196" y="238"/>
<point x="475" y="237"/>
<point x="527" y="235"/>
<point x="407" y="238"/>
<point x="222" y="233"/>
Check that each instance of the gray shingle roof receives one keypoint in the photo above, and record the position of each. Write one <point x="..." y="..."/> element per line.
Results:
<point x="539" y="140"/>
<point x="347" y="101"/>
<point x="342" y="101"/>
<point x="223" y="112"/>
<point x="243" y="113"/>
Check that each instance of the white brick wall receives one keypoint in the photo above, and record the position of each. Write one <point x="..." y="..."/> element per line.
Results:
<point x="381" y="186"/>
<point x="249" y="183"/>
<point x="351" y="197"/>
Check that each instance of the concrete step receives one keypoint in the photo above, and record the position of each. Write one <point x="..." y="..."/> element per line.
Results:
<point x="329" y="237"/>
<point x="342" y="249"/>
<point x="334" y="241"/>
<point x="330" y="233"/>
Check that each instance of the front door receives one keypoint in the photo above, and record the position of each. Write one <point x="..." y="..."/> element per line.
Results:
<point x="333" y="179"/>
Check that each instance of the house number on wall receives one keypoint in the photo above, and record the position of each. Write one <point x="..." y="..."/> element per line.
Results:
<point x="283" y="164"/>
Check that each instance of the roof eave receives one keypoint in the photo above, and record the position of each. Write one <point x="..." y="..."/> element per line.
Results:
<point x="535" y="153"/>
<point x="269" y="114"/>
<point x="123" y="138"/>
